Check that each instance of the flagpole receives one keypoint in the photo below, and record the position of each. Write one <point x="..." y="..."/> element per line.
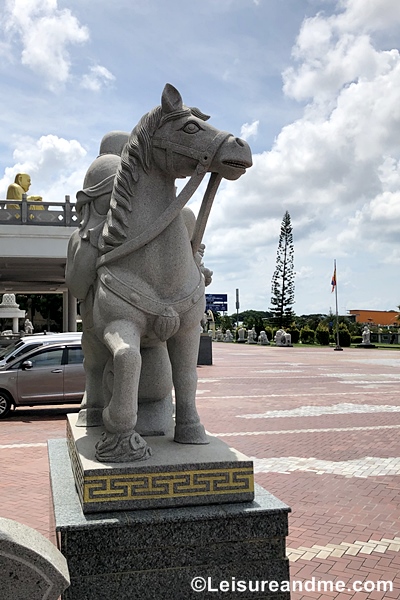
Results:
<point x="337" y="347"/>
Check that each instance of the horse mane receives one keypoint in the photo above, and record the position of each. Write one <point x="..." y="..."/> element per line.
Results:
<point x="137" y="151"/>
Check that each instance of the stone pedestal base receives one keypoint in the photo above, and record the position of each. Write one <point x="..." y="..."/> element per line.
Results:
<point x="157" y="554"/>
<point x="176" y="474"/>
<point x="366" y="346"/>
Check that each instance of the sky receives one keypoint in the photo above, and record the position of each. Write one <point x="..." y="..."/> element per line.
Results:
<point x="312" y="85"/>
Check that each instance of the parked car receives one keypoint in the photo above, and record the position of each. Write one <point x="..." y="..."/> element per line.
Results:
<point x="23" y="345"/>
<point x="51" y="374"/>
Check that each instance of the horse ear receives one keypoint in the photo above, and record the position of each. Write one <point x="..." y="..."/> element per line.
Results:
<point x="171" y="99"/>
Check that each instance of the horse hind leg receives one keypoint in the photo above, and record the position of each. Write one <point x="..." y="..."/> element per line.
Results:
<point x="155" y="408"/>
<point x="93" y="403"/>
<point x="183" y="350"/>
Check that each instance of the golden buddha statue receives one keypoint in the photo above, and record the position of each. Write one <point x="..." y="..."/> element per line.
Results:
<point x="21" y="185"/>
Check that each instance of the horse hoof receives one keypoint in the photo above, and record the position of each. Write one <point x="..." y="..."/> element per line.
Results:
<point x="191" y="434"/>
<point x="124" y="447"/>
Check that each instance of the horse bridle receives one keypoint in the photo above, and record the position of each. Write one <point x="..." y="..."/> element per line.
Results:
<point x="204" y="159"/>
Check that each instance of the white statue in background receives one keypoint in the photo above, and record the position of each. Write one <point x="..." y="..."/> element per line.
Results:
<point x="252" y="336"/>
<point x="28" y="327"/>
<point x="366" y="335"/>
<point x="282" y="338"/>
<point x="241" y="333"/>
<point x="263" y="339"/>
<point x="228" y="336"/>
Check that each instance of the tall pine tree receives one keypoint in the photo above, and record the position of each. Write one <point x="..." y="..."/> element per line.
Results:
<point x="282" y="289"/>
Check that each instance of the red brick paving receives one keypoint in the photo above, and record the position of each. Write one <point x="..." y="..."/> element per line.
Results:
<point x="326" y="508"/>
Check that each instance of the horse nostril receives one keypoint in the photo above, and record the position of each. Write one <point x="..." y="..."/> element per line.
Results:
<point x="240" y="142"/>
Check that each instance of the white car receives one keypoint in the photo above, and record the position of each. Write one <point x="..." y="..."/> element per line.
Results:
<point x="25" y="344"/>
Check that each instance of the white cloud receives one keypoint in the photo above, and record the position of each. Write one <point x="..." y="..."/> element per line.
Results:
<point x="56" y="166"/>
<point x="249" y="130"/>
<point x="371" y="15"/>
<point x="97" y="77"/>
<point x="44" y="33"/>
<point x="336" y="169"/>
<point x="304" y="273"/>
<point x="327" y="152"/>
<point x="343" y="155"/>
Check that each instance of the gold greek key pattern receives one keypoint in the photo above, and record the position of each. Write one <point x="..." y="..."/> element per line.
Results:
<point x="75" y="462"/>
<point x="178" y="484"/>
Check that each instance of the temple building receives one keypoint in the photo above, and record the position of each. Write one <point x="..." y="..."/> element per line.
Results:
<point x="383" y="318"/>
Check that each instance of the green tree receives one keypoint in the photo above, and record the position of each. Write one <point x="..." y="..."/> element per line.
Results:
<point x="344" y="335"/>
<point x="294" y="332"/>
<point x="312" y="320"/>
<point x="226" y="323"/>
<point x="322" y="334"/>
<point x="50" y="306"/>
<point x="282" y="288"/>
<point x="307" y="335"/>
<point x="253" y="318"/>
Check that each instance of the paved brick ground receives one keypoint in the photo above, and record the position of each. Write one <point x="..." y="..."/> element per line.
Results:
<point x="323" y="430"/>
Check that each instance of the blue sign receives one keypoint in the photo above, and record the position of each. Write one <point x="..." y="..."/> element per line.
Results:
<point x="217" y="302"/>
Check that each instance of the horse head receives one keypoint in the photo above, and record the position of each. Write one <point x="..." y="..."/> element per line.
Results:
<point x="176" y="141"/>
<point x="185" y="143"/>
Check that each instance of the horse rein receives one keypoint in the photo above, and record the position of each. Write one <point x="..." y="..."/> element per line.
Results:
<point x="204" y="159"/>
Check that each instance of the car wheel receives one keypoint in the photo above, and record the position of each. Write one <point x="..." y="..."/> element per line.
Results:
<point x="5" y="404"/>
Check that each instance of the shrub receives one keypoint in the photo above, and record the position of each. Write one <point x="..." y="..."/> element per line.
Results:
<point x="357" y="339"/>
<point x="344" y="335"/>
<point x="270" y="334"/>
<point x="322" y="335"/>
<point x="295" y="333"/>
<point x="307" y="335"/>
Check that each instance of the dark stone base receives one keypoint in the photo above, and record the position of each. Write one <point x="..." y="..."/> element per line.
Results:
<point x="366" y="346"/>
<point x="155" y="554"/>
<point x="205" y="350"/>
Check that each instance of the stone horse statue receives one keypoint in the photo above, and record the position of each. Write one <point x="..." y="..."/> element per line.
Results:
<point x="137" y="272"/>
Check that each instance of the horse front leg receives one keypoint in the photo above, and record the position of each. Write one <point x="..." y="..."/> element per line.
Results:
<point x="183" y="351"/>
<point x="96" y="356"/>
<point x="120" y="442"/>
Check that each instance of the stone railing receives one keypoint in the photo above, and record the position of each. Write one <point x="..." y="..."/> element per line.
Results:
<point x="23" y="212"/>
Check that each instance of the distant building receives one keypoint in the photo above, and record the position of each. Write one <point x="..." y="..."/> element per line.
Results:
<point x="375" y="317"/>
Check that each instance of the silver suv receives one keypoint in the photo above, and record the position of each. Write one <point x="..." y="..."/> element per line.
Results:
<point x="25" y="344"/>
<point x="51" y="374"/>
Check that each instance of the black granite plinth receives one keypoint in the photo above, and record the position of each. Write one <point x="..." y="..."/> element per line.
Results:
<point x="156" y="554"/>
<point x="368" y="346"/>
<point x="205" y="350"/>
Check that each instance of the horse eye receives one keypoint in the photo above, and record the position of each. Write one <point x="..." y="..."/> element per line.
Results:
<point x="191" y="127"/>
